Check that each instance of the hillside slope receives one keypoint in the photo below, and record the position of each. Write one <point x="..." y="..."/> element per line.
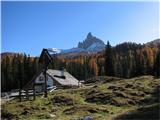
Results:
<point x="106" y="98"/>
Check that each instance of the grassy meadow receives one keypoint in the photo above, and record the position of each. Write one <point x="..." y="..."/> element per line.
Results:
<point x="102" y="98"/>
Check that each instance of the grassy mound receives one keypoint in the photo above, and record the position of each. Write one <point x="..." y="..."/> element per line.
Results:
<point x="86" y="108"/>
<point x="62" y="100"/>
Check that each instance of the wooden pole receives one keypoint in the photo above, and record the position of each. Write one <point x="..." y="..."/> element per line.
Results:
<point x="45" y="58"/>
<point x="34" y="95"/>
<point x="27" y="96"/>
<point x="20" y="95"/>
<point x="45" y="87"/>
<point x="20" y="90"/>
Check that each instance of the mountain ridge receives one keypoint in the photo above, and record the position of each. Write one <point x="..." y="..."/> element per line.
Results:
<point x="154" y="43"/>
<point x="91" y="44"/>
<point x="95" y="46"/>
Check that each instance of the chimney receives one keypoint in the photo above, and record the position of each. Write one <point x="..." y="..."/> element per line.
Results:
<point x="62" y="71"/>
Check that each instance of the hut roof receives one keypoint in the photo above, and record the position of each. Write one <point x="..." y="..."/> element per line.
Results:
<point x="68" y="80"/>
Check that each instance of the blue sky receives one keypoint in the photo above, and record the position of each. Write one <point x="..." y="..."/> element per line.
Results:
<point x="30" y="26"/>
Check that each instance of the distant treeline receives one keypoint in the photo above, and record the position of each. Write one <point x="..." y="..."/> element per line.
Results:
<point x="125" y="60"/>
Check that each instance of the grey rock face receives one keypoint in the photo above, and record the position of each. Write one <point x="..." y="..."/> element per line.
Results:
<point x="89" y="41"/>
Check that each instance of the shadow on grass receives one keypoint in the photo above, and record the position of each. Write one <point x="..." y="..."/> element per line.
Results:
<point x="145" y="113"/>
<point x="148" y="112"/>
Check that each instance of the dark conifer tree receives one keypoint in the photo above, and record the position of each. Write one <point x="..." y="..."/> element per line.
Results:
<point x="109" y="60"/>
<point x="8" y="72"/>
<point x="3" y="75"/>
<point x="157" y="64"/>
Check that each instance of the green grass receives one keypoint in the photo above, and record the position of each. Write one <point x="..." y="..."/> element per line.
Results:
<point x="107" y="101"/>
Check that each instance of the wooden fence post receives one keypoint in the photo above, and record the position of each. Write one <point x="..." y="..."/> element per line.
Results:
<point x="20" y="95"/>
<point x="34" y="94"/>
<point x="27" y="96"/>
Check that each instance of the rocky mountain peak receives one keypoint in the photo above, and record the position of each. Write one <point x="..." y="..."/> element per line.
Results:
<point x="89" y="36"/>
<point x="90" y="40"/>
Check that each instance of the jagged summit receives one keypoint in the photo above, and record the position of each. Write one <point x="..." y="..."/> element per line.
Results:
<point x="91" y="44"/>
<point x="89" y="36"/>
<point x="89" y="41"/>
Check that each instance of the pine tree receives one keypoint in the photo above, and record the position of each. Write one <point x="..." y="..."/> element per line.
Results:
<point x="20" y="73"/>
<point x="109" y="60"/>
<point x="3" y="75"/>
<point x="8" y="73"/>
<point x="14" y="72"/>
<point x="100" y="63"/>
<point x="157" y="64"/>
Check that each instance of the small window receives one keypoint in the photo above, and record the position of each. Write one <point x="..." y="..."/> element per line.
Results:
<point x="41" y="78"/>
